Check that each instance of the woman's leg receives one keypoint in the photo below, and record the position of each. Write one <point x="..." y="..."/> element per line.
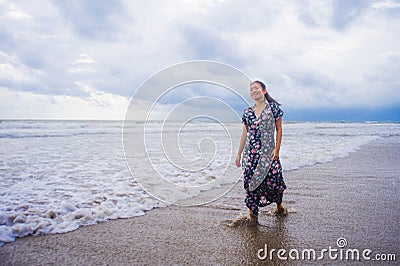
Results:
<point x="279" y="206"/>
<point x="253" y="217"/>
<point x="252" y="205"/>
<point x="280" y="209"/>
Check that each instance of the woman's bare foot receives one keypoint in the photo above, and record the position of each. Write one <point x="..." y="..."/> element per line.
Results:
<point x="280" y="210"/>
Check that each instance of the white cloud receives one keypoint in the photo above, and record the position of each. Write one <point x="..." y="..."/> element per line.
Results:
<point x="98" y="105"/>
<point x="14" y="72"/>
<point x="386" y="4"/>
<point x="84" y="58"/>
<point x="14" y="13"/>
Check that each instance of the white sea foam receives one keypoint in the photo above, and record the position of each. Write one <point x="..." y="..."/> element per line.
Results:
<point x="59" y="175"/>
<point x="308" y="143"/>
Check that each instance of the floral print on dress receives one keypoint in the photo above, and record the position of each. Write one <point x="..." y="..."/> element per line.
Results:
<point x="262" y="177"/>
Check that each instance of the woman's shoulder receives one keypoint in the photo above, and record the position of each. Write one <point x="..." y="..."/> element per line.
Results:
<point x="247" y="114"/>
<point x="248" y="109"/>
<point x="274" y="105"/>
<point x="276" y="110"/>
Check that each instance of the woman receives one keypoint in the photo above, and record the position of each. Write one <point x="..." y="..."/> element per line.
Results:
<point x="262" y="170"/>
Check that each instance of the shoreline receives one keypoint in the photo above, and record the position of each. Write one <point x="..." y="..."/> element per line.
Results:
<point x="318" y="216"/>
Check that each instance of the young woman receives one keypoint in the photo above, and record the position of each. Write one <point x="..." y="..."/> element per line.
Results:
<point x="262" y="170"/>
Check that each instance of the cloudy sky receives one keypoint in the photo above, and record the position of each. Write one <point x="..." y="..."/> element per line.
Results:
<point x="323" y="60"/>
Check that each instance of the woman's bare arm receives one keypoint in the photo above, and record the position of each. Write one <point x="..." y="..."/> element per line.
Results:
<point x="278" y="127"/>
<point x="241" y="145"/>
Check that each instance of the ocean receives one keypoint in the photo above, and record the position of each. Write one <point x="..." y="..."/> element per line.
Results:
<point x="59" y="175"/>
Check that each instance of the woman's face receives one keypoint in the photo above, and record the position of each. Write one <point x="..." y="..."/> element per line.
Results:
<point x="256" y="91"/>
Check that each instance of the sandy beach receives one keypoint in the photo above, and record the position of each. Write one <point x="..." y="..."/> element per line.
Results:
<point x="353" y="198"/>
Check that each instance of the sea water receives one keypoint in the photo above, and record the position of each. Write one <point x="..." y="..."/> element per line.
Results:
<point x="56" y="176"/>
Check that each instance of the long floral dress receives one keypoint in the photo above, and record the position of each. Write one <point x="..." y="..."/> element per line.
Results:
<point x="262" y="176"/>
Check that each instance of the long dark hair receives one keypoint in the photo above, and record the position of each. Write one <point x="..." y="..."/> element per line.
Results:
<point x="266" y="95"/>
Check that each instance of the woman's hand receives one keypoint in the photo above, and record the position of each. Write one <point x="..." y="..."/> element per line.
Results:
<point x="237" y="161"/>
<point x="275" y="155"/>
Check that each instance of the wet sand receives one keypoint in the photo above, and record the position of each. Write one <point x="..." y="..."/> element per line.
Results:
<point x="356" y="198"/>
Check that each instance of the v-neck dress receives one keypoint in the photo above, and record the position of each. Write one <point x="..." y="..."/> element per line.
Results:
<point x="262" y="176"/>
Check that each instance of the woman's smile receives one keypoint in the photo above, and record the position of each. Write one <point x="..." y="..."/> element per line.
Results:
<point x="256" y="94"/>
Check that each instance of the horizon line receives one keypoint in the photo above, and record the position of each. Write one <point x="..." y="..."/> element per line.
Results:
<point x="228" y="121"/>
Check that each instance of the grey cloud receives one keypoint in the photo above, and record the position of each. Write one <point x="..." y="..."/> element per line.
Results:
<point x="205" y="42"/>
<point x="7" y="42"/>
<point x="91" y="19"/>
<point x="345" y="11"/>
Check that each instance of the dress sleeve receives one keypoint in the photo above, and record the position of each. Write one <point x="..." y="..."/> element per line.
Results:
<point x="276" y="111"/>
<point x="244" y="117"/>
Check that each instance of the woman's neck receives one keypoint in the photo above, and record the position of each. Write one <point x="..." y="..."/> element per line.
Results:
<point x="259" y="103"/>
